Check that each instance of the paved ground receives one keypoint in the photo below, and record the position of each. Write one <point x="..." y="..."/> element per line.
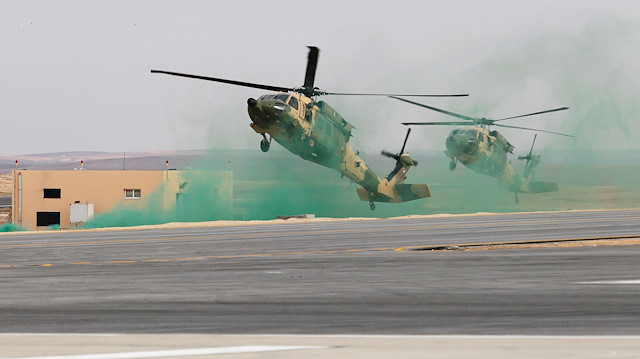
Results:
<point x="336" y="278"/>
<point x="131" y="346"/>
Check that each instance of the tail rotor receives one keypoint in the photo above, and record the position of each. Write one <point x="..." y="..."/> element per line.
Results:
<point x="401" y="158"/>
<point x="532" y="160"/>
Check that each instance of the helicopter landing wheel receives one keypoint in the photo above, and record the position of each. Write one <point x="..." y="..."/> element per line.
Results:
<point x="452" y="164"/>
<point x="264" y="145"/>
<point x="372" y="205"/>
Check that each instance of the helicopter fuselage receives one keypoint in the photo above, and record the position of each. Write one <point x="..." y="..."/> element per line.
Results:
<point x="481" y="150"/>
<point x="317" y="133"/>
<point x="485" y="152"/>
<point x="312" y="130"/>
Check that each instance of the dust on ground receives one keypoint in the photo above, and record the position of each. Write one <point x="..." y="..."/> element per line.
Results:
<point x="570" y="243"/>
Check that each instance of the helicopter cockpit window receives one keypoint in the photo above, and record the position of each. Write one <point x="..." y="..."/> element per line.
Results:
<point x="454" y="132"/>
<point x="282" y="97"/>
<point x="293" y="102"/>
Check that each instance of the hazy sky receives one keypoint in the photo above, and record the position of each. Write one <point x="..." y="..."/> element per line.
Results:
<point x="75" y="74"/>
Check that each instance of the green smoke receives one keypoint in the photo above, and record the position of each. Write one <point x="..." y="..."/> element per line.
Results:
<point x="149" y="211"/>
<point x="201" y="199"/>
<point x="10" y="227"/>
<point x="266" y="185"/>
<point x="592" y="70"/>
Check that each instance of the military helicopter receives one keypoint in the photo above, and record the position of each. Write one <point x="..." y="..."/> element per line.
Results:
<point x="485" y="151"/>
<point x="317" y="133"/>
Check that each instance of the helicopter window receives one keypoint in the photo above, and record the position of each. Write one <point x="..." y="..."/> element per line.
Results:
<point x="268" y="97"/>
<point x="293" y="102"/>
<point x="282" y="97"/>
<point x="455" y="132"/>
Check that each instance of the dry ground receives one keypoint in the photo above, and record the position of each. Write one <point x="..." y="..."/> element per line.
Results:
<point x="5" y="184"/>
<point x="5" y="190"/>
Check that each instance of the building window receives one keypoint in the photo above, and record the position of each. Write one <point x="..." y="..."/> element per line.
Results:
<point x="47" y="219"/>
<point x="132" y="194"/>
<point x="52" y="193"/>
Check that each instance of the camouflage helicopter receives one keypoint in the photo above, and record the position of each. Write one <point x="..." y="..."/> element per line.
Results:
<point x="485" y="151"/>
<point x="317" y="133"/>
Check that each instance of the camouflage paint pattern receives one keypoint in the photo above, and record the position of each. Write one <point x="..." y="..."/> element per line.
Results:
<point x="317" y="133"/>
<point x="485" y="152"/>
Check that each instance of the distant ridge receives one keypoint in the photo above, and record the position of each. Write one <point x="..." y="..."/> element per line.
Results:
<point x="150" y="160"/>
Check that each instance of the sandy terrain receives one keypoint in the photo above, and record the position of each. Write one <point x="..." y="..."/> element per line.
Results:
<point x="5" y="190"/>
<point x="5" y="184"/>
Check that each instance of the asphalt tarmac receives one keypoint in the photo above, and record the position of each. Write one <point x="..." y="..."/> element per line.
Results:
<point x="344" y="277"/>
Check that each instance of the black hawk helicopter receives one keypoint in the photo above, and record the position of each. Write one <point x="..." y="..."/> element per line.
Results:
<point x="317" y="133"/>
<point x="485" y="151"/>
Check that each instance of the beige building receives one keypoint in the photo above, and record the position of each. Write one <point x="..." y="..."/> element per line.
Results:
<point x="68" y="198"/>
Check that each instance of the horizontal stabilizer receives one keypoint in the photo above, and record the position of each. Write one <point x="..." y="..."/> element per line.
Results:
<point x="409" y="192"/>
<point x="403" y="193"/>
<point x="542" y="187"/>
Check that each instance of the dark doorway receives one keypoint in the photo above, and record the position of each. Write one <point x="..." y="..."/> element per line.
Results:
<point x="48" y="218"/>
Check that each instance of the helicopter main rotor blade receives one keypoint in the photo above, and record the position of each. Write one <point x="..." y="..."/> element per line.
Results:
<point x="532" y="144"/>
<point x="535" y="113"/>
<point x="437" y="109"/>
<point x="231" y="82"/>
<point x="527" y="167"/>
<point x="385" y="94"/>
<point x="437" y="123"/>
<point x="312" y="63"/>
<point x="390" y="155"/>
<point x="405" y="141"/>
<point x="534" y="129"/>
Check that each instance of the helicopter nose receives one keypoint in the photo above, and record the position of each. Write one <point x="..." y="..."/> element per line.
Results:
<point x="459" y="144"/>
<point x="252" y="102"/>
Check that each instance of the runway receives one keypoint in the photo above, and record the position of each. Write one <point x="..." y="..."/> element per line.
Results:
<point x="343" y="277"/>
